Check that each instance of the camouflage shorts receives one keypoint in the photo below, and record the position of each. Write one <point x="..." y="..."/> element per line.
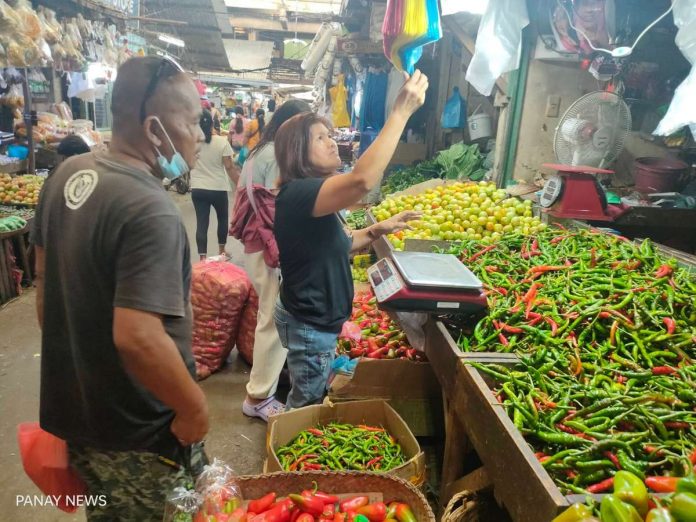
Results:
<point x="136" y="483"/>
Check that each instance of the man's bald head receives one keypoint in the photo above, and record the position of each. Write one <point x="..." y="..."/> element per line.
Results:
<point x="173" y="90"/>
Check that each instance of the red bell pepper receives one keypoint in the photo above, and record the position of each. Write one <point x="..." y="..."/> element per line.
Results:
<point x="324" y="497"/>
<point x="376" y="512"/>
<point x="262" y="504"/>
<point x="353" y="503"/>
<point x="404" y="513"/>
<point x="279" y="513"/>
<point x="312" y="505"/>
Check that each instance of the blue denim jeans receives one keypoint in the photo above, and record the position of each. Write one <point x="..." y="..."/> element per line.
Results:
<point x="310" y="355"/>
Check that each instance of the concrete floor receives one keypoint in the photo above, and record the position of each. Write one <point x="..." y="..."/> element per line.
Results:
<point x="236" y="439"/>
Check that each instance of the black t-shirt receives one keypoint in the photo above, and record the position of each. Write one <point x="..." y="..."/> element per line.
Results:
<point x="317" y="285"/>
<point x="112" y="238"/>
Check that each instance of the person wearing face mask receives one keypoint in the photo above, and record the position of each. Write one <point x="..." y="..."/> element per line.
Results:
<point x="114" y="271"/>
<point x="316" y="292"/>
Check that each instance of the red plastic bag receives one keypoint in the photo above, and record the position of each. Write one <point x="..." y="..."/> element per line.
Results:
<point x="219" y="293"/>
<point x="247" y="328"/>
<point x="46" y="463"/>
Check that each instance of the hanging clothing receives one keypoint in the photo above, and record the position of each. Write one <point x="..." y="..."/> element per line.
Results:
<point x="374" y="100"/>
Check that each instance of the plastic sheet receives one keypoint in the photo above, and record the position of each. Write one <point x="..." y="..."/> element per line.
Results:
<point x="498" y="44"/>
<point x="682" y="110"/>
<point x="219" y="491"/>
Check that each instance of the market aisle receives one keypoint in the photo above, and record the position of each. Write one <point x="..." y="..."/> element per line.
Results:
<point x="233" y="437"/>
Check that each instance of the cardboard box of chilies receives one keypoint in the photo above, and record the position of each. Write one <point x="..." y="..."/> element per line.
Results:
<point x="285" y="427"/>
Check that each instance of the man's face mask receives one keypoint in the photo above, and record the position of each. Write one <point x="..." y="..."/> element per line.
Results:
<point x="175" y="167"/>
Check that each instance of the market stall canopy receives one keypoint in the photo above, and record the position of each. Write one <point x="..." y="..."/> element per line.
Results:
<point x="204" y="24"/>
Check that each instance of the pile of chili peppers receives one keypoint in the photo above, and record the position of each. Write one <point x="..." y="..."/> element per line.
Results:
<point x="312" y="505"/>
<point x="606" y="334"/>
<point x="380" y="336"/>
<point x="342" y="447"/>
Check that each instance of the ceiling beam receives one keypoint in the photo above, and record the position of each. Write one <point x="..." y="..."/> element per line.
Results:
<point x="268" y="24"/>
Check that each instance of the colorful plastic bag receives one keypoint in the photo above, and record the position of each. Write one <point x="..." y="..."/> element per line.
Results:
<point x="420" y="25"/>
<point x="46" y="463"/>
<point x="392" y="25"/>
<point x="411" y="52"/>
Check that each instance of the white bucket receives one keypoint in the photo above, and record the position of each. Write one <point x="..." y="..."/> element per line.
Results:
<point x="480" y="126"/>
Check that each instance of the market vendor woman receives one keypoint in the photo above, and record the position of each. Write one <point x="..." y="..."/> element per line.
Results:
<point x="317" y="289"/>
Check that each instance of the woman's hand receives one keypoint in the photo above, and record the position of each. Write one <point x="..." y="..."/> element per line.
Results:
<point x="398" y="222"/>
<point x="412" y="94"/>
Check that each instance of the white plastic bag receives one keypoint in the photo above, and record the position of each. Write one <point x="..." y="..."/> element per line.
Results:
<point x="498" y="44"/>
<point x="682" y="110"/>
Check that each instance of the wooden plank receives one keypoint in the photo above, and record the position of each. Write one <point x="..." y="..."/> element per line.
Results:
<point x="520" y="482"/>
<point x="477" y="480"/>
<point x="21" y="246"/>
<point x="456" y="447"/>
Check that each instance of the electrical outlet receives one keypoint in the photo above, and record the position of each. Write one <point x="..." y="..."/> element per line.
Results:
<point x="553" y="106"/>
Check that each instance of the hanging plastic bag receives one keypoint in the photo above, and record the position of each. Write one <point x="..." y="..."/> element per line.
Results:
<point x="46" y="463"/>
<point x="411" y="52"/>
<point x="682" y="110"/>
<point x="339" y="104"/>
<point x="392" y="25"/>
<point x="414" y="27"/>
<point x="498" y="44"/>
<point x="454" y="113"/>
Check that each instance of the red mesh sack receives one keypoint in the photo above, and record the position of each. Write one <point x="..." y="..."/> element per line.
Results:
<point x="247" y="328"/>
<point x="219" y="292"/>
<point x="46" y="463"/>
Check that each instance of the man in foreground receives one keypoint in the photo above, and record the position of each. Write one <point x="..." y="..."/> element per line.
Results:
<point x="114" y="272"/>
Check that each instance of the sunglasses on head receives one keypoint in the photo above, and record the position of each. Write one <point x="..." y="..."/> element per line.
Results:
<point x="166" y="68"/>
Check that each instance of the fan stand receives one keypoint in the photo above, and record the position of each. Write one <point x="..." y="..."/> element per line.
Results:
<point x="581" y="195"/>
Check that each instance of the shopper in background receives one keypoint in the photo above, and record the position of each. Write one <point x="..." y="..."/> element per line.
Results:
<point x="255" y="129"/>
<point x="237" y="129"/>
<point x="316" y="292"/>
<point x="217" y="116"/>
<point x="114" y="272"/>
<point x="269" y="354"/>
<point x="72" y="146"/>
<point x="270" y="109"/>
<point x="212" y="179"/>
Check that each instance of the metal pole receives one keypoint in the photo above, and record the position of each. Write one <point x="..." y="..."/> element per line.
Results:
<point x="29" y="118"/>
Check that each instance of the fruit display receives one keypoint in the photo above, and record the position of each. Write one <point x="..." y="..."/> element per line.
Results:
<point x="359" y="274"/>
<point x="604" y="329"/>
<point x="20" y="190"/>
<point x="12" y="223"/>
<point x="341" y="447"/>
<point x="461" y="211"/>
<point x="376" y="335"/>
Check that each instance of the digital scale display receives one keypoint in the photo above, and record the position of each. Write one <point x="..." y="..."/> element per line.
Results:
<point x="417" y="281"/>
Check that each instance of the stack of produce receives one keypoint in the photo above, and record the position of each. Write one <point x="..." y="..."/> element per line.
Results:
<point x="630" y="501"/>
<point x="461" y="211"/>
<point x="220" y="293"/>
<point x="342" y="447"/>
<point x="357" y="219"/>
<point x="459" y="162"/>
<point x="20" y="190"/>
<point x="606" y="333"/>
<point x="25" y="213"/>
<point x="361" y="262"/>
<point x="376" y="335"/>
<point x="12" y="223"/>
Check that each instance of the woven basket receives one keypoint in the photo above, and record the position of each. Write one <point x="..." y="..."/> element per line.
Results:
<point x="338" y="482"/>
<point x="466" y="506"/>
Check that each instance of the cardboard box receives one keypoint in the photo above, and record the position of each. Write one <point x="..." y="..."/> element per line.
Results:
<point x="410" y="387"/>
<point x="409" y="153"/>
<point x="283" y="428"/>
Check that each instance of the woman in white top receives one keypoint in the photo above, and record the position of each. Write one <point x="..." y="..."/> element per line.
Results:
<point x="269" y="354"/>
<point x="213" y="177"/>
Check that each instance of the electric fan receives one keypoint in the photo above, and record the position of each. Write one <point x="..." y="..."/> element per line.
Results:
<point x="588" y="138"/>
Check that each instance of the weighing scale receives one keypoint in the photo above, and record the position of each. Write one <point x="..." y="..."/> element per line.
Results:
<point x="425" y="282"/>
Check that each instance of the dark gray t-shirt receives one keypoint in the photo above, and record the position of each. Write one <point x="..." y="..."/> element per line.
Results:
<point x="112" y="238"/>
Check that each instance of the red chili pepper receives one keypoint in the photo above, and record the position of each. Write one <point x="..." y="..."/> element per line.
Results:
<point x="305" y="517"/>
<point x="664" y="271"/>
<point x="554" y="326"/>
<point x="262" y="504"/>
<point x="677" y="425"/>
<point x="312" y="505"/>
<point x="404" y="514"/>
<point x="371" y="428"/>
<point x="481" y="252"/>
<point x="612" y="332"/>
<point x="593" y="257"/>
<point x="339" y="517"/>
<point x="279" y="513"/>
<point x="601" y="487"/>
<point x="378" y="353"/>
<point x="503" y="340"/>
<point x="315" y="431"/>
<point x="652" y="449"/>
<point x="374" y="461"/>
<point x="354" y="503"/>
<point x="663" y="370"/>
<point x="510" y="329"/>
<point x="571" y="474"/>
<point x="329" y="511"/>
<point x="692" y="457"/>
<point x="614" y="459"/>
<point x="376" y="512"/>
<point x="324" y="497"/>
<point x="662" y="484"/>
<point x="542" y="269"/>
<point x="671" y="325"/>
<point x="309" y="466"/>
